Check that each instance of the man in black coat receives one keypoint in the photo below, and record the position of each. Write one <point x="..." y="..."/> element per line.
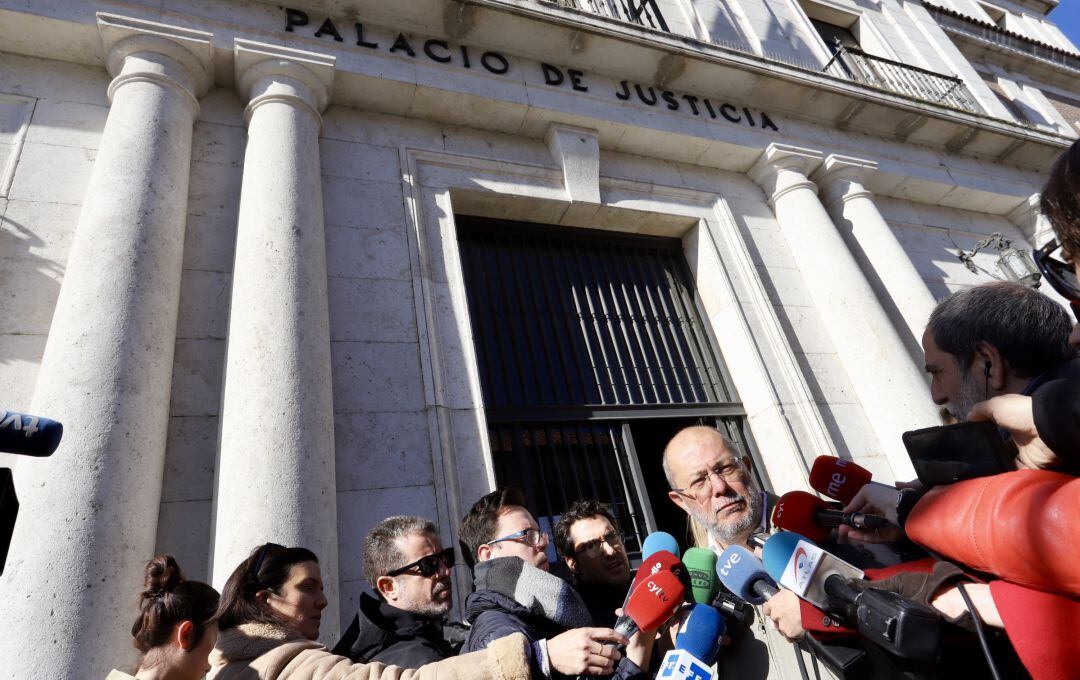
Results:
<point x="406" y="626"/>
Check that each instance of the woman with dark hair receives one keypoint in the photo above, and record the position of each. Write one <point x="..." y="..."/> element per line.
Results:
<point x="269" y="618"/>
<point x="176" y="628"/>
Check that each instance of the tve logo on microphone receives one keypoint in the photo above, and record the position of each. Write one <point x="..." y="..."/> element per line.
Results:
<point x="731" y="561"/>
<point x="679" y="665"/>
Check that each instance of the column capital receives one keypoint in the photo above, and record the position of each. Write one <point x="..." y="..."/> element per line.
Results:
<point x="1026" y="216"/>
<point x="843" y="178"/>
<point x="782" y="168"/>
<point x="266" y="73"/>
<point x="171" y="55"/>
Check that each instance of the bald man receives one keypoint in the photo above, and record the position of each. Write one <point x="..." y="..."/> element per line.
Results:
<point x="711" y="481"/>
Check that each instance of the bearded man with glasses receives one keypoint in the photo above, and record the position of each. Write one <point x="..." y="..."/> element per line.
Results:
<point x="593" y="551"/>
<point x="409" y="570"/>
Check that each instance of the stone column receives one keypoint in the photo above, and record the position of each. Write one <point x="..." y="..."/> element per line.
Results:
<point x="275" y="470"/>
<point x="1028" y="218"/>
<point x="884" y="261"/>
<point x="88" y="520"/>
<point x="890" y="386"/>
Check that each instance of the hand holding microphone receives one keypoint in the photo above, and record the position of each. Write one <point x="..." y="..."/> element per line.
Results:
<point x="812" y="517"/>
<point x="851" y="484"/>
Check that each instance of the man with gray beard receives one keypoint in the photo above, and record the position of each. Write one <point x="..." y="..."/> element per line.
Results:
<point x="712" y="482"/>
<point x="408" y="569"/>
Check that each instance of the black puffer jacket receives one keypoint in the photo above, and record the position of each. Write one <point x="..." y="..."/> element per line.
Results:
<point x="494" y="615"/>
<point x="381" y="632"/>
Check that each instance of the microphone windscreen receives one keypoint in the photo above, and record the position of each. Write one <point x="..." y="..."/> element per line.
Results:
<point x="701" y="566"/>
<point x="662" y="560"/>
<point x="29" y="435"/>
<point x="654" y="600"/>
<point x="701" y="633"/>
<point x="778" y="550"/>
<point x="657" y="541"/>
<point x="796" y="511"/>
<point x="738" y="569"/>
<point x="837" y="478"/>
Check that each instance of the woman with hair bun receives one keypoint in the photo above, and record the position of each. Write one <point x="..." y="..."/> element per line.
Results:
<point x="271" y="608"/>
<point x="176" y="627"/>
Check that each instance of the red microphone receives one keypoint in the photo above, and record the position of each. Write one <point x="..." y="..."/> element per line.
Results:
<point x="795" y="512"/>
<point x="837" y="478"/>
<point x="812" y="517"/>
<point x="661" y="560"/>
<point x="652" y="602"/>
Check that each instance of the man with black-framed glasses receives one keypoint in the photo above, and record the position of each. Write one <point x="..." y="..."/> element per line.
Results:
<point x="409" y="570"/>
<point x="593" y="551"/>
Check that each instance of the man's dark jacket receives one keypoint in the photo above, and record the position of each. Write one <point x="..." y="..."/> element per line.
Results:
<point x="381" y="632"/>
<point x="494" y="615"/>
<point x="1055" y="405"/>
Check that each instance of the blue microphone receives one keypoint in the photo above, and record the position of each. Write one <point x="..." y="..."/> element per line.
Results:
<point x="696" y="646"/>
<point x="657" y="541"/>
<point x="701" y="633"/>
<point x="29" y="435"/>
<point x="743" y="574"/>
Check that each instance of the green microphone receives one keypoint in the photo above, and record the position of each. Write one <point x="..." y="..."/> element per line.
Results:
<point x="701" y="564"/>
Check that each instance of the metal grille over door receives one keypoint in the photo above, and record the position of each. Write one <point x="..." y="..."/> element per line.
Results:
<point x="578" y="332"/>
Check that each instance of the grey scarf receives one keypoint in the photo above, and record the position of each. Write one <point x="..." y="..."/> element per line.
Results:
<point x="534" y="589"/>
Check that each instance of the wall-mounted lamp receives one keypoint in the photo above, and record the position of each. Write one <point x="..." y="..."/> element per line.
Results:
<point x="1017" y="265"/>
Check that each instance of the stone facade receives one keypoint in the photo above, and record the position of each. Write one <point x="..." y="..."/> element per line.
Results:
<point x="229" y="262"/>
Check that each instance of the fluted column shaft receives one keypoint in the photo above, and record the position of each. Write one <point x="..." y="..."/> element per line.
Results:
<point x="275" y="472"/>
<point x="888" y="384"/>
<point x="88" y="520"/>
<point x="870" y="238"/>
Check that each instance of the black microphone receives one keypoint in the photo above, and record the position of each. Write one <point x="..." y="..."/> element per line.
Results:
<point x="29" y="435"/>
<point x="859" y="520"/>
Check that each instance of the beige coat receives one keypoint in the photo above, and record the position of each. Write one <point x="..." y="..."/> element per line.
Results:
<point x="258" y="651"/>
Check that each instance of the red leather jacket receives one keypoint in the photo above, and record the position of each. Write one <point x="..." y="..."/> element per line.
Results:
<point x="1021" y="526"/>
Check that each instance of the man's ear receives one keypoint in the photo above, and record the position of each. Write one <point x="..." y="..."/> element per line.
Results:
<point x="387" y="587"/>
<point x="483" y="553"/>
<point x="678" y="500"/>
<point x="571" y="564"/>
<point x="997" y="377"/>
<point x="185" y="635"/>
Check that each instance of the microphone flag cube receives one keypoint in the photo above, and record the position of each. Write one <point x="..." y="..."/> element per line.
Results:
<point x="680" y="664"/>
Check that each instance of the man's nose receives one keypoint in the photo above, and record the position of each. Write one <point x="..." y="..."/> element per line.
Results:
<point x="937" y="394"/>
<point x="543" y="542"/>
<point x="719" y="484"/>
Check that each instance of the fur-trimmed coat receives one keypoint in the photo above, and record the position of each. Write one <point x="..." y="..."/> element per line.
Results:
<point x="258" y="651"/>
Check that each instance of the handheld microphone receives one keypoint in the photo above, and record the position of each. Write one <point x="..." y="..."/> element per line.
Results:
<point x="696" y="645"/>
<point x="812" y="517"/>
<point x="657" y="541"/>
<point x="652" y="602"/>
<point x="897" y="624"/>
<point x="701" y="633"/>
<point x="837" y="478"/>
<point x="700" y="565"/>
<point x="742" y="573"/>
<point x="29" y="435"/>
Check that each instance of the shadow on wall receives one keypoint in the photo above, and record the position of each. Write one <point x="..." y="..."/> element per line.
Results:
<point x="30" y="284"/>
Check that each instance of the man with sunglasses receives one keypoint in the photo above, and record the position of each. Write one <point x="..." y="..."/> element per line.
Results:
<point x="409" y="570"/>
<point x="593" y="551"/>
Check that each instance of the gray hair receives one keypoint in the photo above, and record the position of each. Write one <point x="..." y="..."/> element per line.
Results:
<point x="381" y="553"/>
<point x="1029" y="329"/>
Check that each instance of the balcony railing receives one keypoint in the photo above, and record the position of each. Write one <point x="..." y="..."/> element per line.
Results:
<point x="885" y="74"/>
<point x="642" y="12"/>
